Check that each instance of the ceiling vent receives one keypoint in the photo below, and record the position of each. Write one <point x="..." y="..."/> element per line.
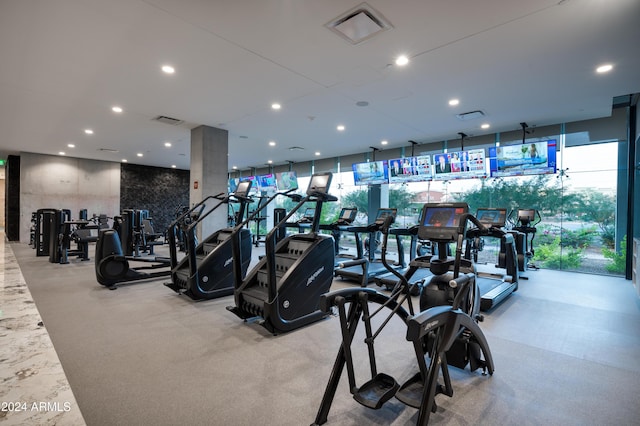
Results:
<point x="168" y="120"/>
<point x="109" y="150"/>
<point x="465" y="116"/>
<point x="296" y="148"/>
<point x="359" y="24"/>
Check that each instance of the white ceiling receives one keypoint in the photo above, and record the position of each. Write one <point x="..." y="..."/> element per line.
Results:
<point x="64" y="64"/>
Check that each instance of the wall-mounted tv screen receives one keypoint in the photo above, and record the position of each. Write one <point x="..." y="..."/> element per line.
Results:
<point x="410" y="169"/>
<point x="531" y="158"/>
<point x="286" y="181"/>
<point x="459" y="165"/>
<point x="267" y="183"/>
<point x="371" y="173"/>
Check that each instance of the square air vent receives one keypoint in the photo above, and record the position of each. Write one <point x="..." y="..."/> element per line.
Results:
<point x="470" y="115"/>
<point x="359" y="24"/>
<point x="168" y="120"/>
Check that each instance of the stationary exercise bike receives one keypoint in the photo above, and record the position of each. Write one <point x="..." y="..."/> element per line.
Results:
<point x="436" y="333"/>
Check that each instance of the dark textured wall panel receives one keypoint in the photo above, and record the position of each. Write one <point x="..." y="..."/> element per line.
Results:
<point x="159" y="190"/>
<point x="12" y="191"/>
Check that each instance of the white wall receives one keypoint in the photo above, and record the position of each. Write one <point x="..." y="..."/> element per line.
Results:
<point x="48" y="181"/>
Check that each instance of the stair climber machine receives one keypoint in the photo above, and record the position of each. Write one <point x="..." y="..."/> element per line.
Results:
<point x="438" y="334"/>
<point x="496" y="283"/>
<point x="283" y="290"/>
<point x="353" y="271"/>
<point x="206" y="270"/>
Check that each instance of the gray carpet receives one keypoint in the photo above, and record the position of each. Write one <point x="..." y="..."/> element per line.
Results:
<point x="565" y="346"/>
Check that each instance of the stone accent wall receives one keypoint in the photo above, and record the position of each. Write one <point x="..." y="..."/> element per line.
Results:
<point x="159" y="190"/>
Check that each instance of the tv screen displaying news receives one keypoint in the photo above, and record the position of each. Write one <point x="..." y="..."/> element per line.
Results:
<point x="371" y="173"/>
<point x="531" y="158"/>
<point x="287" y="181"/>
<point x="459" y="165"/>
<point x="267" y="183"/>
<point x="410" y="169"/>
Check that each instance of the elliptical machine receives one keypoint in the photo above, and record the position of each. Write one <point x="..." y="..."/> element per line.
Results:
<point x="438" y="334"/>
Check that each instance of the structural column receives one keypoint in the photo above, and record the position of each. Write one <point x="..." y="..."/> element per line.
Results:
<point x="208" y="174"/>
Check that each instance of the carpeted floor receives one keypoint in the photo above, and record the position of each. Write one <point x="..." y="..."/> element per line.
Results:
<point x="566" y="348"/>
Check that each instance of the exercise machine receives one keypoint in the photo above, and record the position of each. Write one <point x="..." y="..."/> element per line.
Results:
<point x="435" y="333"/>
<point x="375" y="267"/>
<point x="206" y="270"/>
<point x="525" y="223"/>
<point x="496" y="283"/>
<point x="283" y="290"/>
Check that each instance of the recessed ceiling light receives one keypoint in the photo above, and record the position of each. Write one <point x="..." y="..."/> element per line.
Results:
<point x="70" y="145"/>
<point x="88" y="131"/>
<point x="124" y="160"/>
<point x="234" y="167"/>
<point x="454" y="102"/>
<point x="317" y="153"/>
<point x="485" y="126"/>
<point x="168" y="69"/>
<point x="384" y="142"/>
<point x="604" y="68"/>
<point x="61" y="153"/>
<point x="173" y="166"/>
<point x="340" y="128"/>
<point x="167" y="144"/>
<point x="402" y="60"/>
<point x="276" y="106"/>
<point x="270" y="161"/>
<point x="139" y="154"/>
<point x="272" y="143"/>
<point x="116" y="109"/>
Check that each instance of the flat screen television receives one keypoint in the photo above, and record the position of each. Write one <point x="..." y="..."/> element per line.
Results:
<point x="439" y="222"/>
<point x="319" y="183"/>
<point x="371" y="173"/>
<point x="531" y="158"/>
<point x="267" y="183"/>
<point x="494" y="218"/>
<point x="410" y="169"/>
<point x="465" y="164"/>
<point x="286" y="181"/>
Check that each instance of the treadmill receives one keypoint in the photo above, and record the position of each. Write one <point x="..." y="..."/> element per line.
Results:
<point x="375" y="267"/>
<point x="345" y="219"/>
<point x="304" y="223"/>
<point x="496" y="283"/>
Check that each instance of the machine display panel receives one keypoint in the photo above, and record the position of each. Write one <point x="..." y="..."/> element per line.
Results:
<point x="496" y="218"/>
<point x="441" y="221"/>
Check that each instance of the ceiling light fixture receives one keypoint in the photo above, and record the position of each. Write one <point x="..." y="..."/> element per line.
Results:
<point x="234" y="167"/>
<point x="276" y="106"/>
<point x="124" y="160"/>
<point x="272" y="143"/>
<point x="167" y="144"/>
<point x="139" y="154"/>
<point x="454" y="102"/>
<point x="317" y="153"/>
<point x="70" y="145"/>
<point x="402" y="60"/>
<point x="485" y="126"/>
<point x="88" y="131"/>
<point x="270" y="161"/>
<point x="168" y="69"/>
<point x="61" y="153"/>
<point x="173" y="166"/>
<point x="340" y="128"/>
<point x="604" y="68"/>
<point x="384" y="142"/>
<point x="116" y="109"/>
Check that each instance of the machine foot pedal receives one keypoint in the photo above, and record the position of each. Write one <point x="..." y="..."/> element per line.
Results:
<point x="376" y="391"/>
<point x="410" y="393"/>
